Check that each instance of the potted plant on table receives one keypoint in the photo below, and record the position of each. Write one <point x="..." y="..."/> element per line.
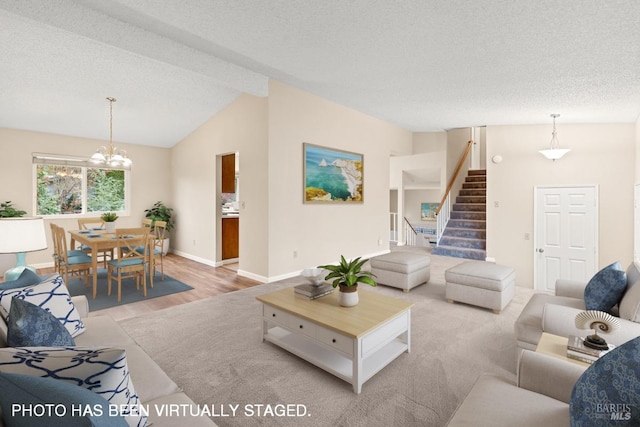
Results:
<point x="347" y="275"/>
<point x="109" y="219"/>
<point x="160" y="212"/>
<point x="8" y="211"/>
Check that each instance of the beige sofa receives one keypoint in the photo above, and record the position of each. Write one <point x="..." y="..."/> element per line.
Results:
<point x="539" y="398"/>
<point x="151" y="384"/>
<point x="556" y="314"/>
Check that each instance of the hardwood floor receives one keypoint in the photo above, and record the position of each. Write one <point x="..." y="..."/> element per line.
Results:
<point x="206" y="281"/>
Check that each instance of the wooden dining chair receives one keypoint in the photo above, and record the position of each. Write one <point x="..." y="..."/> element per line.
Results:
<point x="157" y="246"/>
<point x="133" y="258"/>
<point x="88" y="223"/>
<point x="147" y="222"/>
<point x="70" y="262"/>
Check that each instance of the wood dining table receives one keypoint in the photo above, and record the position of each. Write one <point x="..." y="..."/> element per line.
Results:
<point x="96" y="239"/>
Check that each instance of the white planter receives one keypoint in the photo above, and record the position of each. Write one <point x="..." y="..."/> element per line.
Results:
<point x="165" y="246"/>
<point x="348" y="299"/>
<point x="110" y="227"/>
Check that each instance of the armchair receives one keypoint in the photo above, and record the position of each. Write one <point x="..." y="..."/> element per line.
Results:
<point x="556" y="313"/>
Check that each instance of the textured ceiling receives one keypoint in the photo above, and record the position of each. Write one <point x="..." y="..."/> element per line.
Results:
<point x="424" y="65"/>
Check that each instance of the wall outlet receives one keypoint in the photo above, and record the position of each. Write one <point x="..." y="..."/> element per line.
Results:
<point x="527" y="236"/>
<point x="496" y="204"/>
<point x="379" y="242"/>
<point x="295" y="254"/>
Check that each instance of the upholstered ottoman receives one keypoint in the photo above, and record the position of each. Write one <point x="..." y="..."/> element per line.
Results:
<point x="480" y="283"/>
<point x="404" y="270"/>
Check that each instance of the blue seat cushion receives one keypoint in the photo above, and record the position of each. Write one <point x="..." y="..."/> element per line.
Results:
<point x="79" y="259"/>
<point x="127" y="262"/>
<point x="606" y="288"/>
<point x="608" y="392"/>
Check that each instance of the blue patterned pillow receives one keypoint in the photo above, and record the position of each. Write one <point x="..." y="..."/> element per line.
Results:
<point x="102" y="370"/>
<point x="26" y="278"/>
<point x="606" y="288"/>
<point x="51" y="295"/>
<point x="608" y="392"/>
<point x="75" y="406"/>
<point x="32" y="326"/>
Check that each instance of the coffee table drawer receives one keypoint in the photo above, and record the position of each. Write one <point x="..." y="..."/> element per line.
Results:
<point x="278" y="316"/>
<point x="335" y="340"/>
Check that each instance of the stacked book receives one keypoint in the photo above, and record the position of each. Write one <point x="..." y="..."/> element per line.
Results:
<point x="312" y="292"/>
<point x="578" y="351"/>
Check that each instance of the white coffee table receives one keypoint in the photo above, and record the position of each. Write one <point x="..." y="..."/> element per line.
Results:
<point x="351" y="343"/>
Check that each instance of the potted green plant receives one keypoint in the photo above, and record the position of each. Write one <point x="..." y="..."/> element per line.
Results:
<point x="109" y="219"/>
<point x="346" y="276"/>
<point x="8" y="211"/>
<point x="160" y="212"/>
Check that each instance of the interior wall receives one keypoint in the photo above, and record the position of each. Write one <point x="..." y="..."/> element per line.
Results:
<point x="240" y="127"/>
<point x="428" y="142"/>
<point x="306" y="235"/>
<point x="150" y="176"/>
<point x="602" y="155"/>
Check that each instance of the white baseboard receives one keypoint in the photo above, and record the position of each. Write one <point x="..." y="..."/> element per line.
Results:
<point x="197" y="259"/>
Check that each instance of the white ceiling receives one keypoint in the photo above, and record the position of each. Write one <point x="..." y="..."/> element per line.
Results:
<point x="424" y="65"/>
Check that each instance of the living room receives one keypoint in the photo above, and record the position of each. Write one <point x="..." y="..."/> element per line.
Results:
<point x="280" y="235"/>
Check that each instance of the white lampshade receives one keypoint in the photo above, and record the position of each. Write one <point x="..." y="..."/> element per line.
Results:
<point x="24" y="234"/>
<point x="554" y="153"/>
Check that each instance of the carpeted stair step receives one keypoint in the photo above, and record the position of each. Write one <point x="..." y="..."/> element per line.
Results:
<point x="468" y="215"/>
<point x="470" y="207"/>
<point x="467" y="253"/>
<point x="477" y="172"/>
<point x="474" y="185"/>
<point x="466" y="223"/>
<point x="461" y="242"/>
<point x="466" y="192"/>
<point x="472" y="199"/>
<point x="469" y="233"/>
<point x="476" y="178"/>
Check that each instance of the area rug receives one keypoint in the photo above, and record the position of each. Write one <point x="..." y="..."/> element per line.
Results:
<point x="130" y="294"/>
<point x="212" y="349"/>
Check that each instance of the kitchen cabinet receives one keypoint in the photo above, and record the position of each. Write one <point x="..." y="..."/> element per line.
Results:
<point x="230" y="238"/>
<point x="229" y="173"/>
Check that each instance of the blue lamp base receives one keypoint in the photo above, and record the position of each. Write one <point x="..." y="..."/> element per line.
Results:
<point x="15" y="272"/>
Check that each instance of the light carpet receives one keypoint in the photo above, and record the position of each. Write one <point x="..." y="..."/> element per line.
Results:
<point x="212" y="349"/>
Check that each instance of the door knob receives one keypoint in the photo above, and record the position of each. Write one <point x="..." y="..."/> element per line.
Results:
<point x="540" y="250"/>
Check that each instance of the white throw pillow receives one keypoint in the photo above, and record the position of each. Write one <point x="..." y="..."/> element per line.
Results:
<point x="51" y="295"/>
<point x="101" y="370"/>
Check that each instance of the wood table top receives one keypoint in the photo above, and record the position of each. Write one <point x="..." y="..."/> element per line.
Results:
<point x="372" y="310"/>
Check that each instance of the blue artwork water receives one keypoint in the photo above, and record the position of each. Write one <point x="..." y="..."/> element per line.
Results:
<point x="320" y="173"/>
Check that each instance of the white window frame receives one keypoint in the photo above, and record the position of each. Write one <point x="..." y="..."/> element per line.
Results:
<point x="60" y="160"/>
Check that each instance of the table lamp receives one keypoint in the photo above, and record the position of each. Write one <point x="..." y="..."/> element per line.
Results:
<point x="20" y="235"/>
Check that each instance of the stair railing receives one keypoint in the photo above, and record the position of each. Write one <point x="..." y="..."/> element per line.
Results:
<point x="443" y="213"/>
<point x="410" y="233"/>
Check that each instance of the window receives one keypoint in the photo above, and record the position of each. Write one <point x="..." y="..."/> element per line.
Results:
<point x="67" y="185"/>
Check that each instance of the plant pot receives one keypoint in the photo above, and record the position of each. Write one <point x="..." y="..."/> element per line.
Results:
<point x="110" y="227"/>
<point x="348" y="296"/>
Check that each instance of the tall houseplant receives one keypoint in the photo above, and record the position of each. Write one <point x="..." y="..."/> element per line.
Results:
<point x="8" y="211"/>
<point x="346" y="276"/>
<point x="160" y="212"/>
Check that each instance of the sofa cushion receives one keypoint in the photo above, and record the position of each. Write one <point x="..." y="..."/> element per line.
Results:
<point x="53" y="296"/>
<point x="608" y="393"/>
<point x="32" y="326"/>
<point x="606" y="288"/>
<point x="101" y="370"/>
<point x="630" y="303"/>
<point x="74" y="406"/>
<point x="26" y="278"/>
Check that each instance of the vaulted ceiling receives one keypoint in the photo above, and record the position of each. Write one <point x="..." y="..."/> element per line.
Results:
<point x="424" y="65"/>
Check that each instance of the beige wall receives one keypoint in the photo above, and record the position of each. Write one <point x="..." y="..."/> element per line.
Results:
<point x="241" y="127"/>
<point x="427" y="142"/>
<point x="603" y="155"/>
<point x="321" y="233"/>
<point x="150" y="175"/>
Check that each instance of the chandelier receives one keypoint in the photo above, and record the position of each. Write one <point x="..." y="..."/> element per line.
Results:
<point x="111" y="155"/>
<point x="554" y="152"/>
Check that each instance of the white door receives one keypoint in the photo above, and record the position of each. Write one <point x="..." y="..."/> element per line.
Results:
<point x="566" y="234"/>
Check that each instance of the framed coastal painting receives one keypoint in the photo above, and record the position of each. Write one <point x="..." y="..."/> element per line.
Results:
<point x="331" y="175"/>
<point x="428" y="211"/>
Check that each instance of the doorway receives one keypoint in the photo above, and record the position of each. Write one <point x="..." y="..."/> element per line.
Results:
<point x="228" y="242"/>
<point x="566" y="234"/>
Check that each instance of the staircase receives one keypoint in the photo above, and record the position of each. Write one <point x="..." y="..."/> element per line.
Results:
<point x="465" y="233"/>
